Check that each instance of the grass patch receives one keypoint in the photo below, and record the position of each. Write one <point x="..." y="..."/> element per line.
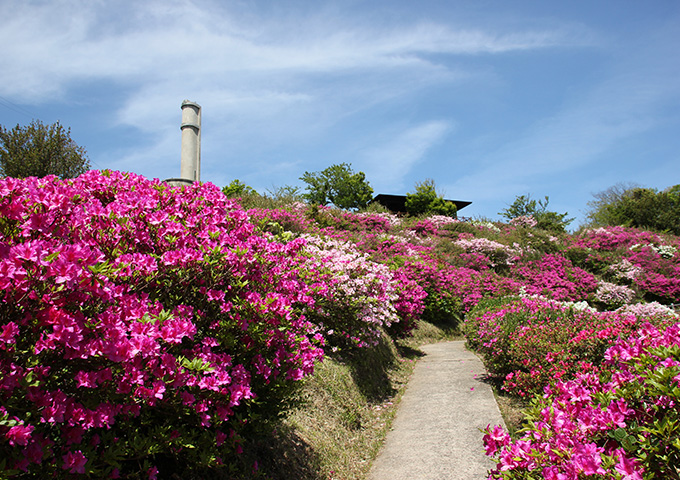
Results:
<point x="341" y="418"/>
<point x="344" y="411"/>
<point x="426" y="332"/>
<point x="512" y="410"/>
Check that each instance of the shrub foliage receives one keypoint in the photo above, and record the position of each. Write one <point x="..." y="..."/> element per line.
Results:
<point x="148" y="330"/>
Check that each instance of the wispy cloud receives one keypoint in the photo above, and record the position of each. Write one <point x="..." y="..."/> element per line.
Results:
<point x="629" y="100"/>
<point x="388" y="162"/>
<point x="57" y="43"/>
<point x="267" y="77"/>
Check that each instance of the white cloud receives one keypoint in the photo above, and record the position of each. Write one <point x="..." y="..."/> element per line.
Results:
<point x="262" y="77"/>
<point x="389" y="162"/>
<point x="48" y="46"/>
<point x="627" y="101"/>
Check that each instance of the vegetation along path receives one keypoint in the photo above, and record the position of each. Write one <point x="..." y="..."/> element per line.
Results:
<point x="436" y="433"/>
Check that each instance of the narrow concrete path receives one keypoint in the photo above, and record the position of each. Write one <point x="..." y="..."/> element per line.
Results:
<point x="436" y="432"/>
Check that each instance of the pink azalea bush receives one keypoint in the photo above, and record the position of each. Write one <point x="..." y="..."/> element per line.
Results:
<point x="136" y="323"/>
<point x="291" y="219"/>
<point x="659" y="275"/>
<point x="452" y="291"/>
<point x="426" y="227"/>
<point x="614" y="238"/>
<point x="623" y="423"/>
<point x="384" y="220"/>
<point x="331" y="220"/>
<point x="530" y="342"/>
<point x="554" y="276"/>
<point x="647" y="261"/>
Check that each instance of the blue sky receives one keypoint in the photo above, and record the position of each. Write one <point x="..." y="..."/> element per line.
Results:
<point x="490" y="98"/>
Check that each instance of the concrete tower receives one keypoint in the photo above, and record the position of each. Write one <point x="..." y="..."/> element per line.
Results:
<point x="190" y="166"/>
<point x="191" y="141"/>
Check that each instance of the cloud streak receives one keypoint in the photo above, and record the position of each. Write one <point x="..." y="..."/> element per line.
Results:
<point x="55" y="44"/>
<point x="292" y="77"/>
<point x="390" y="161"/>
<point x="576" y="140"/>
<point x="280" y="85"/>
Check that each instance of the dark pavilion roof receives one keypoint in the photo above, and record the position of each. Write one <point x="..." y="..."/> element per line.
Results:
<point x="397" y="203"/>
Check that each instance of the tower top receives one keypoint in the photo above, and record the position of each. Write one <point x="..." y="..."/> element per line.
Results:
<point x="189" y="103"/>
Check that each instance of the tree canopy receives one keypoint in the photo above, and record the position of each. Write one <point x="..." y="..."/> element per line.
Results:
<point x="598" y="213"/>
<point x="525" y="206"/>
<point x="426" y="200"/>
<point x="237" y="189"/>
<point x="635" y="206"/>
<point x="338" y="185"/>
<point x="38" y="150"/>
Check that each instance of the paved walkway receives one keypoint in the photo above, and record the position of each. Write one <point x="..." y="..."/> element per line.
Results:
<point x="435" y="434"/>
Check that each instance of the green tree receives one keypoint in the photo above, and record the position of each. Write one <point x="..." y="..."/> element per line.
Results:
<point x="525" y="206"/>
<point x="668" y="217"/>
<point x="634" y="206"/>
<point x="426" y="201"/>
<point x="600" y="211"/>
<point x="338" y="185"/>
<point x="647" y="208"/>
<point x="237" y="189"/>
<point x="38" y="150"/>
<point x="637" y="208"/>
